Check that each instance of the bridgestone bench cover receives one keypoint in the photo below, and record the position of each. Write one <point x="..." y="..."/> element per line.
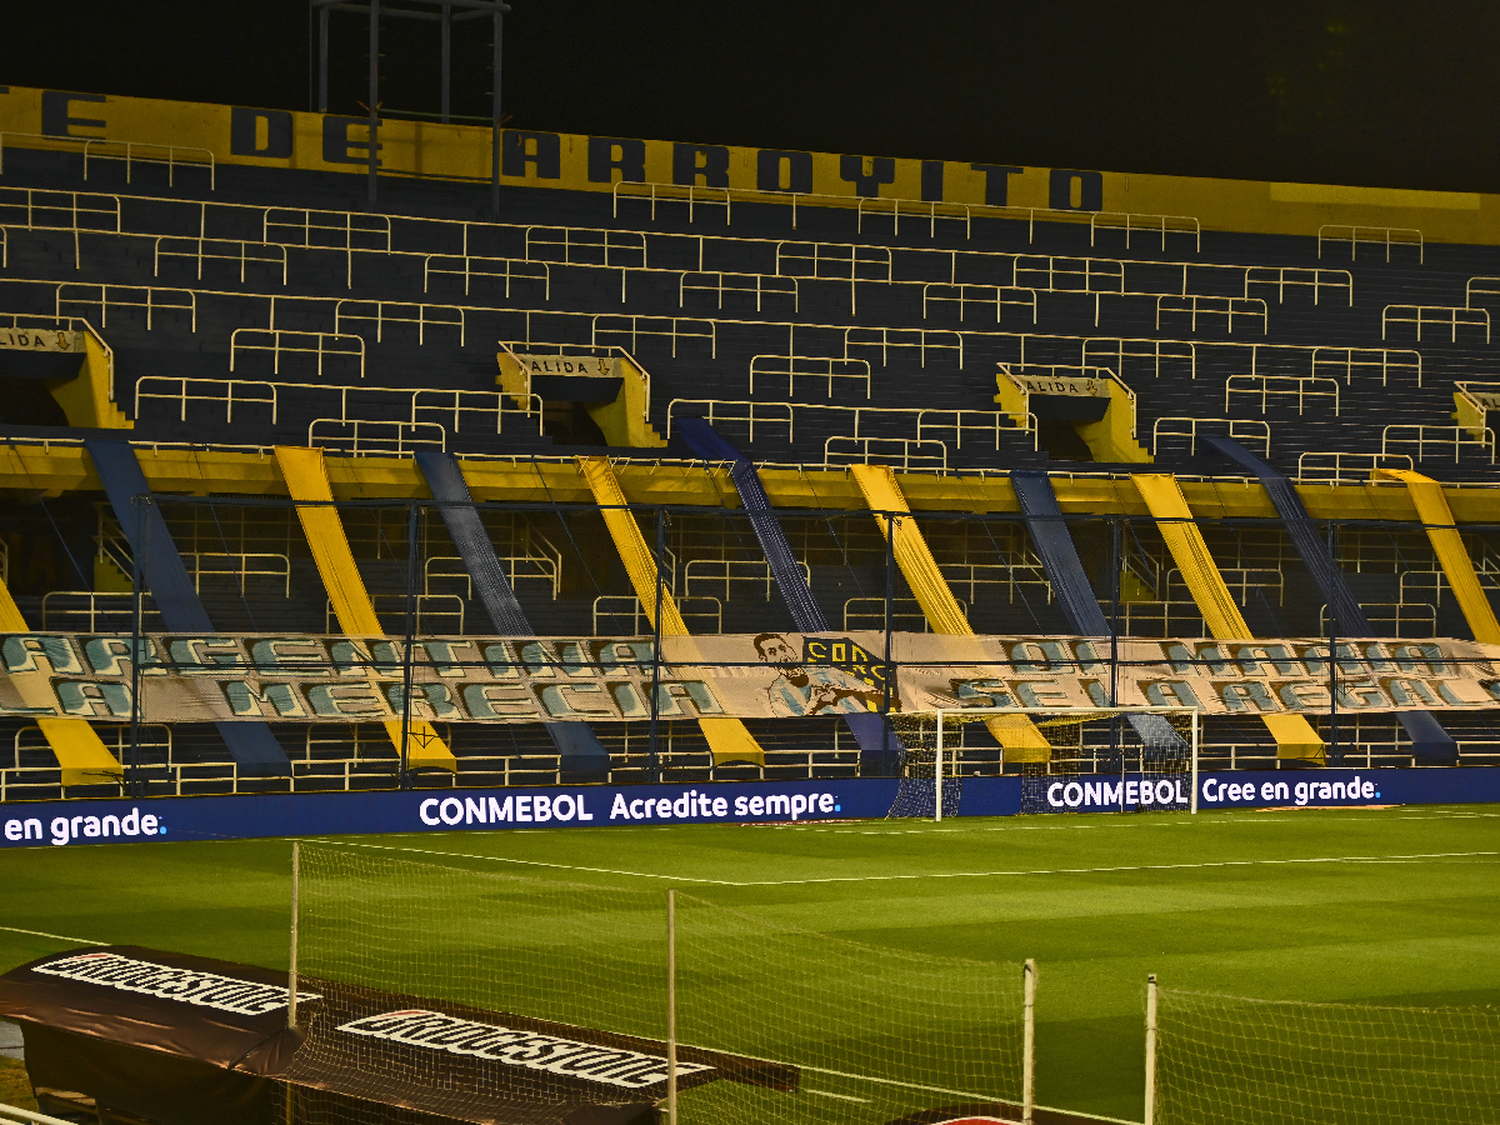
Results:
<point x="176" y="1038"/>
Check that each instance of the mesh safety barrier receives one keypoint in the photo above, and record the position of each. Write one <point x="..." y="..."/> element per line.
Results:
<point x="425" y="971"/>
<point x="1223" y="1060"/>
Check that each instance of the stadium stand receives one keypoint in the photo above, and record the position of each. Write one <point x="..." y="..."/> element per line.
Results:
<point x="1046" y="389"/>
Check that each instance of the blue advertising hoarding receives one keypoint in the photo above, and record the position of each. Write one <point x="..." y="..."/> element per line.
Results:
<point x="164" y="819"/>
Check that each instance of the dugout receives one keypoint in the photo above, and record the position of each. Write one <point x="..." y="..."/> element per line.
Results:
<point x="171" y="1039"/>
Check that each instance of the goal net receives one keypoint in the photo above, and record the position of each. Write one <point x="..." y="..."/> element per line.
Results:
<point x="1120" y="759"/>
<point x="1117" y="759"/>
<point x="774" y="1023"/>
<point x="1226" y="1060"/>
<point x="921" y="790"/>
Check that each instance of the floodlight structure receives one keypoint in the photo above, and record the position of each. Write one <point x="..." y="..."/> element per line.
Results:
<point x="445" y="13"/>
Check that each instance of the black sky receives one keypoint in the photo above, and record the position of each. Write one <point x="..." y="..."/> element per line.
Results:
<point x="1392" y="94"/>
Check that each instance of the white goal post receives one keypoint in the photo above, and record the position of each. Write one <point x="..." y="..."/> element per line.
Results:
<point x="950" y="717"/>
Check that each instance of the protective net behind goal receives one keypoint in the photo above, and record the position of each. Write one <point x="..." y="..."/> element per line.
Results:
<point x="1129" y="762"/>
<point x="917" y="793"/>
<point x="495" y="996"/>
<point x="1226" y="1060"/>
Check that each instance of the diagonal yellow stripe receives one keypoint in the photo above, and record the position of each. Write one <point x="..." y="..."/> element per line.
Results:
<point x="640" y="562"/>
<point x="84" y="758"/>
<point x="1194" y="561"/>
<point x="1022" y="740"/>
<point x="1448" y="545"/>
<point x="727" y="738"/>
<point x="1294" y="735"/>
<point x="306" y="479"/>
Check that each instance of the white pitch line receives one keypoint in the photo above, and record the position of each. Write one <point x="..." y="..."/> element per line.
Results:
<point x="841" y="1097"/>
<point x="59" y="937"/>
<point x="999" y="873"/>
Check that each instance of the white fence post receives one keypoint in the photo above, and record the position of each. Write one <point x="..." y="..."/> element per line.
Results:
<point x="1151" y="1049"/>
<point x="1028" y="1058"/>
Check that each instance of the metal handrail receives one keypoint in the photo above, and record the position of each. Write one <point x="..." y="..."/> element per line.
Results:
<point x="792" y="373"/>
<point x="995" y="295"/>
<point x="468" y="272"/>
<point x="1389" y="236"/>
<point x="1227" y="307"/>
<point x="86" y="142"/>
<point x="408" y="437"/>
<point x="381" y="319"/>
<point x="277" y="350"/>
<point x="1237" y="430"/>
<point x="150" y="304"/>
<point x="171" y="161"/>
<point x="1334" y="474"/>
<point x="1454" y="316"/>
<point x="908" y="453"/>
<point x="1302" y="386"/>
<point x="200" y="254"/>
<point x="1408" y="432"/>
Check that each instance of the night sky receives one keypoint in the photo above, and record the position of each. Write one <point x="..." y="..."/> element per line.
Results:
<point x="1387" y="94"/>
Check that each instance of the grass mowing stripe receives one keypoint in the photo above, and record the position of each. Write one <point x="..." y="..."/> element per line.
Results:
<point x="1063" y="824"/>
<point x="59" y="937"/>
<point x="1117" y="868"/>
<point x="528" y="862"/>
<point x="1097" y="936"/>
<point x="1014" y="873"/>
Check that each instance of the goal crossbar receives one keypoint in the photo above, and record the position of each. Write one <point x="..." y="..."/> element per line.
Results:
<point x="950" y="716"/>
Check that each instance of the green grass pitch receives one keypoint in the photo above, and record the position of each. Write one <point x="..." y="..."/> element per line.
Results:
<point x="1395" y="906"/>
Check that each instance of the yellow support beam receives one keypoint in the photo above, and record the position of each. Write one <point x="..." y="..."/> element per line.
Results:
<point x="1448" y="545"/>
<point x="306" y="478"/>
<point x="1294" y="735"/>
<point x="84" y="758"/>
<point x="54" y="469"/>
<point x="727" y="738"/>
<point x="1022" y="740"/>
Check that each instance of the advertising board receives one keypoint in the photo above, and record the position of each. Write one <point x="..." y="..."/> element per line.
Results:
<point x="169" y="819"/>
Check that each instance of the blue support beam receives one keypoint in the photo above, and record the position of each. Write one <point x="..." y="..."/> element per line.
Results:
<point x="1070" y="582"/>
<point x="579" y="749"/>
<point x="251" y="744"/>
<point x="1429" y="741"/>
<point x="880" y="748"/>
